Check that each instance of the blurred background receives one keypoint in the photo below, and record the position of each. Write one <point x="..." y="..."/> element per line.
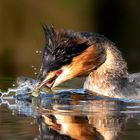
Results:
<point x="22" y="38"/>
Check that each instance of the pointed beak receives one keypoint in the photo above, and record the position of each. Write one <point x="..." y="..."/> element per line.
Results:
<point x="52" y="79"/>
<point x="48" y="81"/>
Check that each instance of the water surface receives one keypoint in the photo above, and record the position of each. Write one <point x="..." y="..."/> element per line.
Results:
<point x="67" y="115"/>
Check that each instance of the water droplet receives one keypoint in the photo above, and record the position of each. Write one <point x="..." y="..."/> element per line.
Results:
<point x="35" y="73"/>
<point x="37" y="51"/>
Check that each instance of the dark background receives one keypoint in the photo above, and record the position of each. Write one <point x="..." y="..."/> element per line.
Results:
<point x="21" y="35"/>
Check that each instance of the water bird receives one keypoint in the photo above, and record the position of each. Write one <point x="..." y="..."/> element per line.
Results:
<point x="68" y="54"/>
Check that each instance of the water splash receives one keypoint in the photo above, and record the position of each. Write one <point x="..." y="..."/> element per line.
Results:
<point x="62" y="99"/>
<point x="38" y="52"/>
<point x="24" y="86"/>
<point x="18" y="98"/>
<point x="34" y="69"/>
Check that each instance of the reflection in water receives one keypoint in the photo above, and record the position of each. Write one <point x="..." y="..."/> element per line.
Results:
<point x="68" y="115"/>
<point x="79" y="116"/>
<point x="104" y="120"/>
<point x="93" y="120"/>
<point x="101" y="122"/>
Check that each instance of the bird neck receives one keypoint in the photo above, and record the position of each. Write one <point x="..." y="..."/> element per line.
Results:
<point x="109" y="78"/>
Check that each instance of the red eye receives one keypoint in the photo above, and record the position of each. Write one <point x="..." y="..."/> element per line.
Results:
<point x="58" y="72"/>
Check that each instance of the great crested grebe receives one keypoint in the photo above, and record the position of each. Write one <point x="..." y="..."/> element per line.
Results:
<point x="68" y="54"/>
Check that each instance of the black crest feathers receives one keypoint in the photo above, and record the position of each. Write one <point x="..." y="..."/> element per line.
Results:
<point x="61" y="46"/>
<point x="48" y="31"/>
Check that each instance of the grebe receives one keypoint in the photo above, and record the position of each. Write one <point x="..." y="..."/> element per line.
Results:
<point x="68" y="54"/>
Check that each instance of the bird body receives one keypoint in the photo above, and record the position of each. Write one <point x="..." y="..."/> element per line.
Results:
<point x="68" y="54"/>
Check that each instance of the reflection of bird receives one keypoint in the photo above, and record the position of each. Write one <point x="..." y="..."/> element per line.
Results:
<point x="104" y="121"/>
<point x="69" y="54"/>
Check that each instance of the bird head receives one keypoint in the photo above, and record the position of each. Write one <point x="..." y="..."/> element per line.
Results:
<point x="67" y="55"/>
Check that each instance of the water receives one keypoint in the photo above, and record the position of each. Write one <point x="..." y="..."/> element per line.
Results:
<point x="66" y="115"/>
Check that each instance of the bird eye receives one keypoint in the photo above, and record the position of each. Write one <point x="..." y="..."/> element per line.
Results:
<point x="58" y="72"/>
